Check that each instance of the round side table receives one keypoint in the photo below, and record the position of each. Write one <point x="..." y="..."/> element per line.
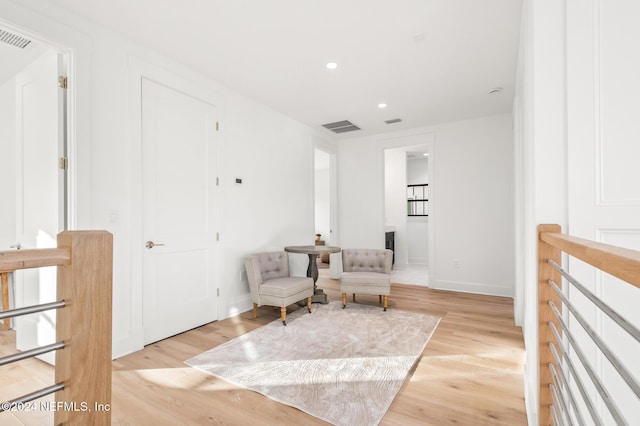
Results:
<point x="312" y="270"/>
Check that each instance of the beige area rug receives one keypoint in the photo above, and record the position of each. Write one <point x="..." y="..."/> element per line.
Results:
<point x="344" y="366"/>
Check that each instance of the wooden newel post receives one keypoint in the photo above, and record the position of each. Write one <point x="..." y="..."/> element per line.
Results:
<point x="545" y="293"/>
<point x="84" y="365"/>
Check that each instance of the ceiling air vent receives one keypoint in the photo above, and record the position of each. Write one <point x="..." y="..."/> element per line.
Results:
<point x="341" y="126"/>
<point x="14" y="39"/>
<point x="393" y="121"/>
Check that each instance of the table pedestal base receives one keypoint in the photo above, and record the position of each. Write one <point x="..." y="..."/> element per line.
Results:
<point x="312" y="269"/>
<point x="319" y="297"/>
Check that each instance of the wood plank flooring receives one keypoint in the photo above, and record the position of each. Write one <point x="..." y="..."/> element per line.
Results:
<point x="471" y="372"/>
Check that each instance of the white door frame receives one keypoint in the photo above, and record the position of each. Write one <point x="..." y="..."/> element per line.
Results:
<point x="37" y="150"/>
<point x="406" y="141"/>
<point x="76" y="48"/>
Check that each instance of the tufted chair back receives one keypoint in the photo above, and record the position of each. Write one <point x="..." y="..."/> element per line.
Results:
<point x="273" y="265"/>
<point x="265" y="266"/>
<point x="271" y="284"/>
<point x="367" y="260"/>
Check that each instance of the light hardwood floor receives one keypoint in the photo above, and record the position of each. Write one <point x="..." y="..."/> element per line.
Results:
<point x="471" y="372"/>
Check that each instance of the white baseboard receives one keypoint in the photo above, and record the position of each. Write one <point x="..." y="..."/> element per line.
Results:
<point x="401" y="266"/>
<point x="469" y="287"/>
<point x="530" y="400"/>
<point x="129" y="344"/>
<point x="243" y="305"/>
<point x="133" y="342"/>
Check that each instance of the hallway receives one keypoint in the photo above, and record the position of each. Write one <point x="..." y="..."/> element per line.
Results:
<point x="412" y="275"/>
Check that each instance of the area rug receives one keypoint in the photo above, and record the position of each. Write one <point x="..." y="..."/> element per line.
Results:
<point x="344" y="366"/>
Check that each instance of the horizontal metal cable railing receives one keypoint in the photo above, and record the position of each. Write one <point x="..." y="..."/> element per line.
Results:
<point x="83" y="325"/>
<point x="564" y="391"/>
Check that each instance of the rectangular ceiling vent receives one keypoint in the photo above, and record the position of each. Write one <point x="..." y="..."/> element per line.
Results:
<point x="341" y="126"/>
<point x="395" y="120"/>
<point x="14" y="39"/>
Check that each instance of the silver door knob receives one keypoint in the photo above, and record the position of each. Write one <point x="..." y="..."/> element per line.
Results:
<point x="16" y="246"/>
<point x="151" y="244"/>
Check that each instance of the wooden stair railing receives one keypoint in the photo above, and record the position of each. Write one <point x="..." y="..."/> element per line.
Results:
<point x="557" y="373"/>
<point x="83" y="327"/>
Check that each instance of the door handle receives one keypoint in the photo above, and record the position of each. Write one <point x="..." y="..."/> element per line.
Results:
<point x="16" y="246"/>
<point x="151" y="244"/>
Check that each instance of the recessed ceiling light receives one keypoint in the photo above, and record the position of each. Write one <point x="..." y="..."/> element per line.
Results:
<point x="382" y="105"/>
<point x="426" y="154"/>
<point x="332" y="65"/>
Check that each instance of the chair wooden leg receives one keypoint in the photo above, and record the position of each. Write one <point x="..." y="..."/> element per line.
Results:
<point x="283" y="315"/>
<point x="255" y="311"/>
<point x="354" y="297"/>
<point x="344" y="300"/>
<point x="309" y="304"/>
<point x="385" y="298"/>
<point x="379" y="298"/>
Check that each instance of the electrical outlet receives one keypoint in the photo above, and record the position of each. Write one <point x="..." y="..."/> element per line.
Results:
<point x="456" y="263"/>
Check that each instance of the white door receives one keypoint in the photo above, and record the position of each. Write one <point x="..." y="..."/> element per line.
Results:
<point x="179" y="174"/>
<point x="603" y="100"/>
<point x="40" y="188"/>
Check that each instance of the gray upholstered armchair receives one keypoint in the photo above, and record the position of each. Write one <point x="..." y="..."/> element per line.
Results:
<point x="271" y="284"/>
<point x="366" y="271"/>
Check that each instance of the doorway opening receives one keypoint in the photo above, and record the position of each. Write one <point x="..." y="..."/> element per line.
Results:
<point x="407" y="179"/>
<point x="33" y="132"/>
<point x="324" y="208"/>
<point x="322" y="182"/>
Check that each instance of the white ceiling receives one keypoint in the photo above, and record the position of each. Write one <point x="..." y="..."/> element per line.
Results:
<point x="431" y="61"/>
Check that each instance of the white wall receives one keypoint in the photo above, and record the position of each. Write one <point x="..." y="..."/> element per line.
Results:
<point x="472" y="200"/>
<point x="417" y="171"/>
<point x="361" y="194"/>
<point x="473" y="213"/>
<point x="270" y="152"/>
